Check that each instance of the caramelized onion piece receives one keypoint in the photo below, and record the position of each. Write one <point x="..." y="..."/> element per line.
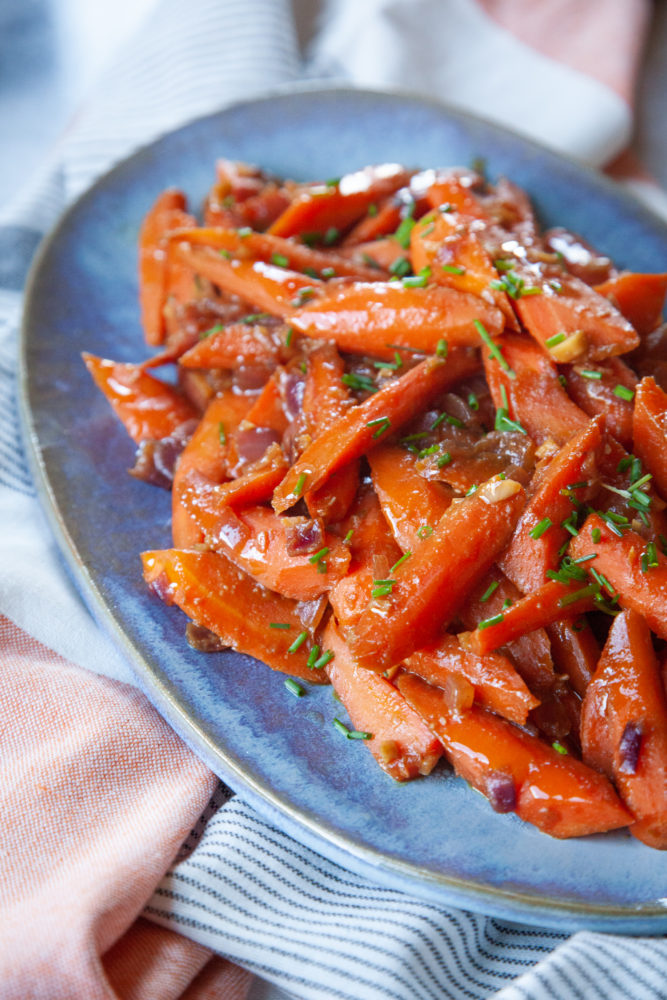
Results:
<point x="629" y="747"/>
<point x="501" y="792"/>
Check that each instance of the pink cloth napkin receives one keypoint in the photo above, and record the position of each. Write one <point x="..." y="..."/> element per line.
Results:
<point x="96" y="793"/>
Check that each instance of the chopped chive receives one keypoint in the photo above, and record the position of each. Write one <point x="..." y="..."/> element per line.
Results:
<point x="563" y="381"/>
<point x="602" y="580"/>
<point x="340" y="727"/>
<point x="444" y="460"/>
<point x="312" y="657"/>
<point x="494" y="350"/>
<point x="557" y="338"/>
<point x="624" y="464"/>
<point x="596" y="535"/>
<point x="429" y="229"/>
<point x="507" y="603"/>
<point x="577" y="595"/>
<point x="222" y="434"/>
<point x="356" y="734"/>
<point x="402" y="234"/>
<point x="372" y="211"/>
<point x="399" y="562"/>
<point x="577" y="486"/>
<point x="303" y="295"/>
<point x="623" y="392"/>
<point x="454" y="421"/>
<point x="226" y="254"/>
<point x="255" y="318"/>
<point x="473" y="402"/>
<point x="504" y="423"/>
<point x="332" y="182"/>
<point x="279" y="625"/>
<point x="453" y="269"/>
<point x="294" y="688"/>
<point x="487" y="622"/>
<point x="298" y="642"/>
<point x="415" y="437"/>
<point x="400" y="267"/>
<point x="244" y="231"/>
<point x="371" y="262"/>
<point x="323" y="660"/>
<point x="438" y="420"/>
<point x="559" y="748"/>
<point x="383" y="590"/>
<point x="649" y="557"/>
<point x="382" y="423"/>
<point x="319" y="555"/>
<point x="415" y="281"/>
<point x="473" y="489"/>
<point x="209" y="333"/>
<point x="442" y="348"/>
<point x="288" y="336"/>
<point x="311" y="272"/>
<point x="489" y="590"/>
<point x="348" y="537"/>
<point x="280" y="260"/>
<point x="328" y="272"/>
<point x="590" y="373"/>
<point x="362" y="383"/>
<point x="300" y="483"/>
<point x="583" y="559"/>
<point x="331" y="236"/>
<point x="424" y="531"/>
<point x="540" y="528"/>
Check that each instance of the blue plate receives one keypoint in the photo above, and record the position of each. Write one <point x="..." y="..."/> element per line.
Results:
<point x="432" y="837"/>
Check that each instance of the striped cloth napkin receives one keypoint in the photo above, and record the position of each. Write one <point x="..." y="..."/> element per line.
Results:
<point x="99" y="798"/>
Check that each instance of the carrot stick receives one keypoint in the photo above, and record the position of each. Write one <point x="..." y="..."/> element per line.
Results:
<point x="257" y="482"/>
<point x="412" y="505"/>
<point x="230" y="345"/>
<point x="497" y="686"/>
<point x="539" y="534"/>
<point x="516" y="771"/>
<point x="595" y="388"/>
<point x="399" y="740"/>
<point x="625" y="725"/>
<point x="426" y="589"/>
<point x="358" y="430"/>
<point x="575" y="651"/>
<point x="148" y="408"/>
<point x="216" y="594"/>
<point x="371" y="318"/>
<point x="639" y="297"/>
<point x="621" y="560"/>
<point x="649" y="430"/>
<point x="167" y="213"/>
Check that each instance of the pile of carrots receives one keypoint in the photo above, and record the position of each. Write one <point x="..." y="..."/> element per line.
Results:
<point x="417" y="449"/>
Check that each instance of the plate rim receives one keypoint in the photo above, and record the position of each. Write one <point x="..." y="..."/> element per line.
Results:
<point x="301" y="823"/>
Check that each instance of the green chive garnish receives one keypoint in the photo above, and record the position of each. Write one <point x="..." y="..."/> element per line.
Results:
<point x="494" y="350"/>
<point x="399" y="562"/>
<point x="424" y="530"/>
<point x="559" y="748"/>
<point x="577" y="595"/>
<point x="300" y="483"/>
<point x="442" y="348"/>
<point x="453" y="269"/>
<point x="487" y="622"/>
<point x="444" y="460"/>
<point x="540" y="528"/>
<point x="214" y="329"/>
<point x="400" y="267"/>
<point x="279" y="625"/>
<point x="493" y="586"/>
<point x="298" y="642"/>
<point x="312" y="657"/>
<point x="323" y="660"/>
<point x="590" y="373"/>
<point x="623" y="392"/>
<point x="280" y="260"/>
<point x="318" y="555"/>
<point x="557" y="338"/>
<point x="222" y="435"/>
<point x="294" y="688"/>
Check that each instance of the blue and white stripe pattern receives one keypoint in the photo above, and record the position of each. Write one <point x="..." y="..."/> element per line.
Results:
<point x="243" y="887"/>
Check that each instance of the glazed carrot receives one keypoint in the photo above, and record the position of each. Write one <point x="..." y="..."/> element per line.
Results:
<point x="230" y="345"/>
<point x="257" y="483"/>
<point x="360" y="429"/>
<point x="268" y="409"/>
<point x="399" y="740"/>
<point x="381" y="220"/>
<point x="203" y="465"/>
<point x="605" y="388"/>
<point x="326" y="399"/>
<point x="148" y="408"/>
<point x="649" y="430"/>
<point x="516" y="771"/>
<point x="244" y="195"/>
<point x="625" y="725"/>
<point x="575" y="651"/>
<point x="275" y="290"/>
<point x="539" y="536"/>
<point x="271" y="550"/>
<point x="216" y="594"/>
<point x="456" y="188"/>
<point x="166" y="214"/>
<point x="639" y="297"/>
<point x="551" y="602"/>
<point x="372" y="318"/>
<point x="524" y="383"/>
<point x="287" y="253"/>
<point x="425" y="590"/>
<point x="319" y="208"/>
<point x="573" y="322"/>
<point x="412" y="505"/>
<point x="495" y="683"/>
<point x="453" y="251"/>
<point x="637" y="571"/>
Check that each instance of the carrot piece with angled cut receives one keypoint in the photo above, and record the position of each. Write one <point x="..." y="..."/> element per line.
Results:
<point x="148" y="408"/>
<point x="575" y="650"/>
<point x="516" y="771"/>
<point x="400" y="741"/>
<point x="166" y="214"/>
<point x="357" y="431"/>
<point x="373" y="317"/>
<point x="650" y="431"/>
<point x="625" y="725"/>
<point x="636" y="572"/>
<point x="639" y="297"/>
<point x="257" y="482"/>
<point x="231" y="345"/>
<point x="524" y="382"/>
<point x="497" y="686"/>
<point x="539" y="534"/>
<point x="606" y="388"/>
<point x="412" y="504"/>
<point x="426" y="589"/>
<point x="553" y="601"/>
<point x="380" y="220"/>
<point x="216" y="594"/>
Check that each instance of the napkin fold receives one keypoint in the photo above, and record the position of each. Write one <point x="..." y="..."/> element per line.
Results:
<point x="99" y="798"/>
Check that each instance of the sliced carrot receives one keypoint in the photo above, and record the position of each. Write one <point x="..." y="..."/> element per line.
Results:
<point x="232" y="345"/>
<point x="639" y="297"/>
<point x="216" y="594"/>
<point x="372" y="318"/>
<point x="625" y="725"/>
<point x="166" y="214"/>
<point x="257" y="483"/>
<point x="380" y="220"/>
<point x="575" y="651"/>
<point x="319" y="208"/>
<point x="412" y="505"/>
<point x="605" y="388"/>
<point x="539" y="535"/>
<point x="427" y="588"/>
<point x="524" y="382"/>
<point x="619" y="560"/>
<point x="399" y="740"/>
<point x="650" y="431"/>
<point x="497" y="686"/>
<point x="148" y="408"/>
<point x="359" y="430"/>
<point x="268" y="409"/>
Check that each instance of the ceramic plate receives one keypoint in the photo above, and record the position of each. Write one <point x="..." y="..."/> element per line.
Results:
<point x="433" y="837"/>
